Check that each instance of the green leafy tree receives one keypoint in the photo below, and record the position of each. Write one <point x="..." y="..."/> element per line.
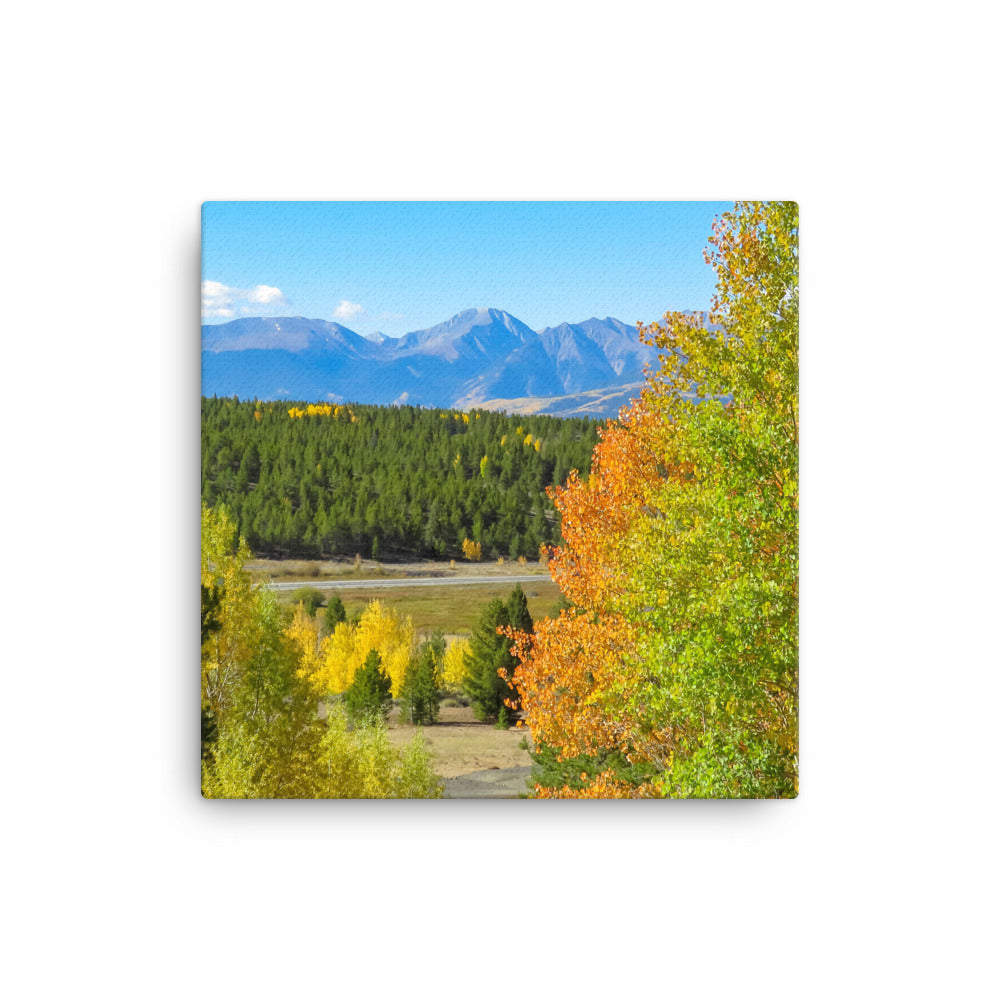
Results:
<point x="267" y="740"/>
<point x="211" y="599"/>
<point x="370" y="693"/>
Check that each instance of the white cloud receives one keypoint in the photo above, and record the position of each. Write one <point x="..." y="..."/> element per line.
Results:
<point x="347" y="310"/>
<point x="219" y="301"/>
<point x="266" y="295"/>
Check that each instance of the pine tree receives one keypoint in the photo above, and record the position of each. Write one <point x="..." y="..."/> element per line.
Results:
<point x="521" y="622"/>
<point x="370" y="694"/>
<point x="489" y="653"/>
<point x="517" y="609"/>
<point x="421" y="696"/>
<point x="334" y="613"/>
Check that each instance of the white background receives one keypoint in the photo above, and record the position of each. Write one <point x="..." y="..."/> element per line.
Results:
<point x="120" y="120"/>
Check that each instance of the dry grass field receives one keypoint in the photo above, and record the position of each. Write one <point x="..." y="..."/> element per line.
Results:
<point x="460" y="744"/>
<point x="307" y="571"/>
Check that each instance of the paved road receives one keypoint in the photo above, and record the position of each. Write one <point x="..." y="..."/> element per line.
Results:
<point x="416" y="581"/>
<point x="496" y="783"/>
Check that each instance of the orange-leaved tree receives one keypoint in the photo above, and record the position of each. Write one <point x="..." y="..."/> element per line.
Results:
<point x="680" y="556"/>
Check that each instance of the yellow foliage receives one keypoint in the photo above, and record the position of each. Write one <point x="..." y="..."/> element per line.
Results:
<point x="472" y="551"/>
<point x="304" y="633"/>
<point x="343" y="652"/>
<point x="223" y="555"/>
<point x="318" y="410"/>
<point x="362" y="763"/>
<point x="452" y="669"/>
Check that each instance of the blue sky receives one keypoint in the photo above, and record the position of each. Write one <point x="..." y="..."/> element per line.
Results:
<point x="401" y="266"/>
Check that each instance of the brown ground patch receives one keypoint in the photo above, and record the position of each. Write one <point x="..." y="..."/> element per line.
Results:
<point x="461" y="745"/>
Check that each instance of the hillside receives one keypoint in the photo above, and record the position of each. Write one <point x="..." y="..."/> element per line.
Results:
<point x="388" y="482"/>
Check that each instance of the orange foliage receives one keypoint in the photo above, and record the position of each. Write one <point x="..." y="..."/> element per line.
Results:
<point x="572" y="666"/>
<point x="629" y="462"/>
<point x="679" y="650"/>
<point x="567" y="665"/>
<point x="601" y="786"/>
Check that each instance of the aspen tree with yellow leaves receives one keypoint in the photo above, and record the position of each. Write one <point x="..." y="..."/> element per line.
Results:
<point x="452" y="671"/>
<point x="330" y="665"/>
<point x="261" y="732"/>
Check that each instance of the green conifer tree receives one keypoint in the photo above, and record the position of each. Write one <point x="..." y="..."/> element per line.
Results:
<point x="420" y="695"/>
<point x="370" y="694"/>
<point x="335" y="613"/>
<point x="488" y="654"/>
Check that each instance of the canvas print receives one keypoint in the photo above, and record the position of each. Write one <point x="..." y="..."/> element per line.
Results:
<point x="499" y="500"/>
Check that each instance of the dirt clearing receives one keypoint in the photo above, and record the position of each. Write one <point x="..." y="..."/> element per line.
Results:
<point x="461" y="745"/>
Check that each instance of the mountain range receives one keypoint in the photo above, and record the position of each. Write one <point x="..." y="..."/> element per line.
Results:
<point x="480" y="357"/>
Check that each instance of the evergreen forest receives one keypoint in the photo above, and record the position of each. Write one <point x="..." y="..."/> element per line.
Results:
<point x="400" y="482"/>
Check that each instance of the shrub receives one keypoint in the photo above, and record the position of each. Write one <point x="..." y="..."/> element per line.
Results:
<point x="363" y="763"/>
<point x="310" y="597"/>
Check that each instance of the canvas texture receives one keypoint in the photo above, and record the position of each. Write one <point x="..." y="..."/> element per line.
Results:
<point x="499" y="500"/>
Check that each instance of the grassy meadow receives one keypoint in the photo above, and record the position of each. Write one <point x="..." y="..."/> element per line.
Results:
<point x="451" y="609"/>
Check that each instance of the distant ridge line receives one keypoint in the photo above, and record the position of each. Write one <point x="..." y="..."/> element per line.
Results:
<point x="483" y="357"/>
